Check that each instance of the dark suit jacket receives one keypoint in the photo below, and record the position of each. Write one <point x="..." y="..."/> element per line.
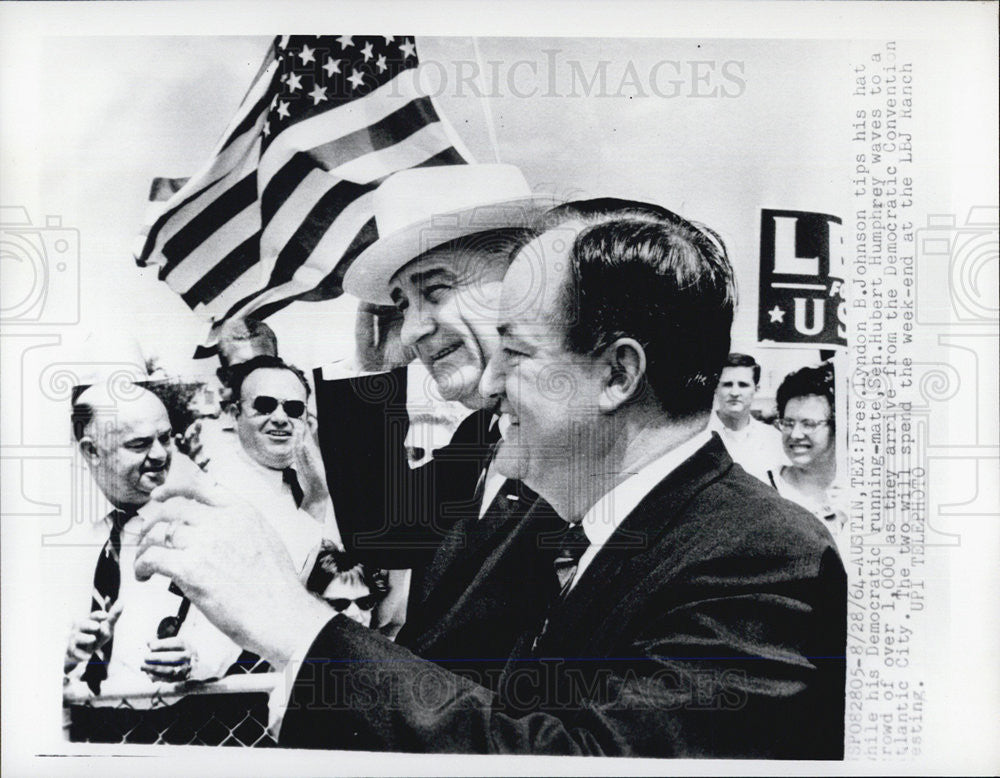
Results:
<point x="713" y="624"/>
<point x="477" y="584"/>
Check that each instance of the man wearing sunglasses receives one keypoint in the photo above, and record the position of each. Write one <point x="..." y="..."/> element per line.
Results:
<point x="276" y="465"/>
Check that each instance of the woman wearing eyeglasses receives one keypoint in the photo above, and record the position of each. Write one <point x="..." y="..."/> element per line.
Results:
<point x="806" y="420"/>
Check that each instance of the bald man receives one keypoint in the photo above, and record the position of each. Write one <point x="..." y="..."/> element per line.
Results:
<point x="124" y="438"/>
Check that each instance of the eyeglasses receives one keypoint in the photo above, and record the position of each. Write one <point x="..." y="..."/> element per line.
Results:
<point x="341" y="604"/>
<point x="809" y="425"/>
<point x="265" y="406"/>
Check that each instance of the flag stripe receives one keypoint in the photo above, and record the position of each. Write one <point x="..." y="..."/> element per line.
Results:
<point x="233" y="265"/>
<point x="267" y="305"/>
<point x="418" y="147"/>
<point x="394" y="128"/>
<point x="313" y="228"/>
<point x="346" y="235"/>
<point x="186" y="272"/>
<point x="338" y="122"/>
<point x="289" y="216"/>
<point x="281" y="187"/>
<point x="174" y="220"/>
<point x="448" y="156"/>
<point x="260" y="94"/>
<point x="210" y="219"/>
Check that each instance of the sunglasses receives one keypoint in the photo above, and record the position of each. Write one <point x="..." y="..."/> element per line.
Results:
<point x="265" y="406"/>
<point x="341" y="604"/>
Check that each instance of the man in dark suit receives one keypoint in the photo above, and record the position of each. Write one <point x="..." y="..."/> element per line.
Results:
<point x="699" y="615"/>
<point x="446" y="238"/>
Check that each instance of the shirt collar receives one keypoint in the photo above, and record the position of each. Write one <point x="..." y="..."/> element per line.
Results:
<point x="715" y="424"/>
<point x="604" y="517"/>
<point x="270" y="476"/>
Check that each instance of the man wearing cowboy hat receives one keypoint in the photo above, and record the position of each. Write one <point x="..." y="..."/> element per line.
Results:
<point x="446" y="237"/>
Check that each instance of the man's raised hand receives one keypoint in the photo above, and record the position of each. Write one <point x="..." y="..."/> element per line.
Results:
<point x="226" y="558"/>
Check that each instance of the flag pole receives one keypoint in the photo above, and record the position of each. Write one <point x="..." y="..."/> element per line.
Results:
<point x="484" y="101"/>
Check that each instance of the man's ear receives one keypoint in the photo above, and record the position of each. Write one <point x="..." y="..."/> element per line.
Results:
<point x="89" y="450"/>
<point x="626" y="377"/>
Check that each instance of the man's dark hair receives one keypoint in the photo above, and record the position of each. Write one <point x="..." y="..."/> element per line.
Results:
<point x="238" y="373"/>
<point x="641" y="271"/>
<point x="807" y="381"/>
<point x="333" y="562"/>
<point x="81" y="417"/>
<point x="735" y="359"/>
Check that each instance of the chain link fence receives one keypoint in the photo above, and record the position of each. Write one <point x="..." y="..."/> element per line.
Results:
<point x="232" y="711"/>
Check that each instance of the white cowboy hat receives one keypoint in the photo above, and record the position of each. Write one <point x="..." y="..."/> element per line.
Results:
<point x="420" y="209"/>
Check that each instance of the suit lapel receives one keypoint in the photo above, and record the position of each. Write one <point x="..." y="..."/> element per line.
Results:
<point x="632" y="550"/>
<point x="467" y="545"/>
<point x="471" y="576"/>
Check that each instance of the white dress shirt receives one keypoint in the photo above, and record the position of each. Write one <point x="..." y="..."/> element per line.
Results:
<point x="756" y="448"/>
<point x="144" y="605"/>
<point x="607" y="514"/>
<point x="265" y="489"/>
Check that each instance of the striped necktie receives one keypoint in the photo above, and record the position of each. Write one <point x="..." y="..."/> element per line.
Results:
<point x="572" y="547"/>
<point x="107" y="585"/>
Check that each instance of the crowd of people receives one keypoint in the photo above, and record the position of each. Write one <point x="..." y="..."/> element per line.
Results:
<point x="611" y="555"/>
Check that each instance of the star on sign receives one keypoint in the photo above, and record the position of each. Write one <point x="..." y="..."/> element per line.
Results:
<point x="367" y="51"/>
<point x="283" y="110"/>
<point x="388" y="39"/>
<point x="407" y="49"/>
<point x="318" y="94"/>
<point x="356" y="79"/>
<point x="380" y="63"/>
<point x="267" y="128"/>
<point x="307" y="55"/>
<point x="294" y="82"/>
<point x="332" y="66"/>
<point x="777" y="315"/>
<point x="345" y="41"/>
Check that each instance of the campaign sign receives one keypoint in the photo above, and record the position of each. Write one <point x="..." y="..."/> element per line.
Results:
<point x="801" y="280"/>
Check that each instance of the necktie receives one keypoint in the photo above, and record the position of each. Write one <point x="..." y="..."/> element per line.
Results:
<point x="289" y="477"/>
<point x="572" y="547"/>
<point x="574" y="544"/>
<point x="107" y="585"/>
<point x="493" y="441"/>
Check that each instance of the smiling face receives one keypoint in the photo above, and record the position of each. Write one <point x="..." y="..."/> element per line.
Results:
<point x="448" y="298"/>
<point x="734" y="395"/>
<point x="270" y="438"/>
<point x="806" y="448"/>
<point x="548" y="395"/>
<point x="130" y="452"/>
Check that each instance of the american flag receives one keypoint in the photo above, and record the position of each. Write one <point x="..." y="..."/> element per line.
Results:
<point x="284" y="203"/>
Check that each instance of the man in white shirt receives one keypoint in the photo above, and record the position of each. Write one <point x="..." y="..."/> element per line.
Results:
<point x="124" y="437"/>
<point x="753" y="445"/>
<point x="276" y="465"/>
<point x="700" y="614"/>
